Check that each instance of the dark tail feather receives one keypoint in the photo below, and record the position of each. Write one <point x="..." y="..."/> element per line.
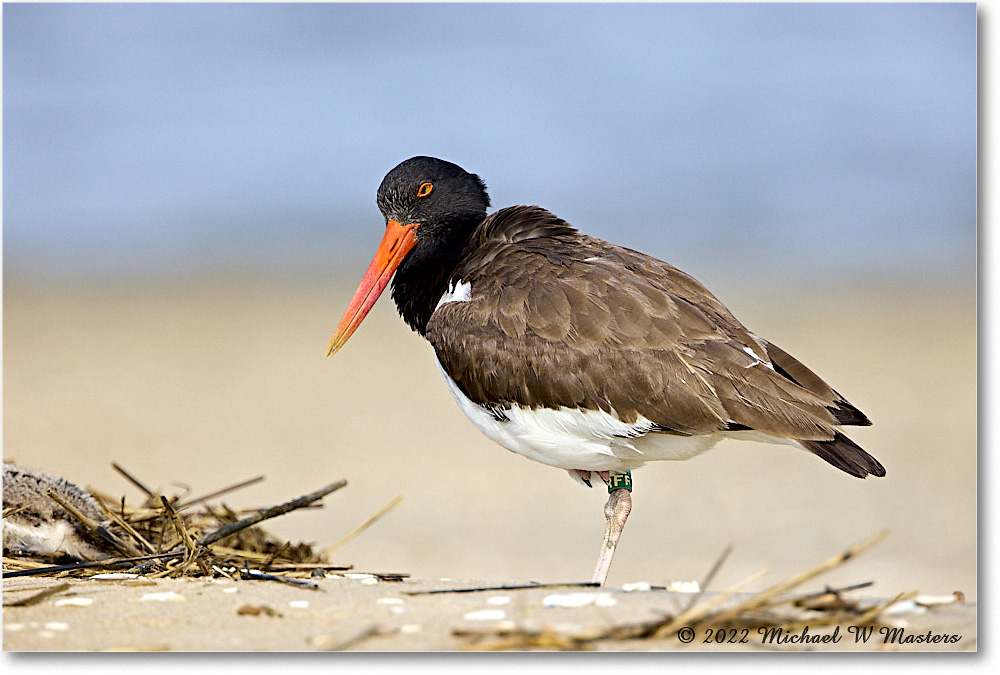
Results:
<point x="847" y="414"/>
<point x="790" y="368"/>
<point x="846" y="455"/>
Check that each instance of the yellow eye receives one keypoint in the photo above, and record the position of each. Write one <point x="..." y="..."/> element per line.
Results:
<point x="424" y="189"/>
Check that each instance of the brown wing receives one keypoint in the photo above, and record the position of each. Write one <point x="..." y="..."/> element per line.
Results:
<point x="557" y="318"/>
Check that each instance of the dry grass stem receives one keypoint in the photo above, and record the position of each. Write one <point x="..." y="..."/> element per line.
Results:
<point x="365" y="524"/>
<point x="770" y="608"/>
<point x="132" y="479"/>
<point x="219" y="493"/>
<point x="765" y="596"/>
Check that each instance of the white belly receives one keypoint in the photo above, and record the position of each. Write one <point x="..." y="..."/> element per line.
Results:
<point x="574" y="439"/>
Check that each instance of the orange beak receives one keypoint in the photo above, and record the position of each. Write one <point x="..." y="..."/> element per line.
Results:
<point x="397" y="242"/>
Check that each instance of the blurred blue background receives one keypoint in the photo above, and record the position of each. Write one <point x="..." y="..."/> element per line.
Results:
<point x="817" y="141"/>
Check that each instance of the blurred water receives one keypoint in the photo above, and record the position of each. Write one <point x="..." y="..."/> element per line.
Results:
<point x="157" y="139"/>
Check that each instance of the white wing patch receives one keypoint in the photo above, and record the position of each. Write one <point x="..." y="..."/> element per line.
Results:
<point x="460" y="291"/>
<point x="756" y="359"/>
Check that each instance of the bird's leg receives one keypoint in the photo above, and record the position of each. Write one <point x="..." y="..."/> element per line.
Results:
<point x="616" y="511"/>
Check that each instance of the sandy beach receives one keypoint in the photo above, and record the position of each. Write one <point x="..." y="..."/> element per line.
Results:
<point x="209" y="381"/>
<point x="360" y="614"/>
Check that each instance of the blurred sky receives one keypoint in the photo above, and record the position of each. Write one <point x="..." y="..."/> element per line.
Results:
<point x="818" y="139"/>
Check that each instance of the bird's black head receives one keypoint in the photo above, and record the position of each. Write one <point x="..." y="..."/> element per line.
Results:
<point x="434" y="193"/>
<point x="431" y="208"/>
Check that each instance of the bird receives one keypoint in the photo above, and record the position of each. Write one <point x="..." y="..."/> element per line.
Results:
<point x="578" y="353"/>
<point x="36" y="525"/>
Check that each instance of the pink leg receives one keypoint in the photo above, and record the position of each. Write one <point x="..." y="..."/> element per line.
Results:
<point x="616" y="511"/>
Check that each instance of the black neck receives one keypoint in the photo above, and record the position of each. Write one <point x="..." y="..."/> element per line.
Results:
<point x="423" y="276"/>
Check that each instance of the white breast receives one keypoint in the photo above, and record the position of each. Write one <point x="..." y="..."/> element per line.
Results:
<point x="573" y="439"/>
<point x="56" y="536"/>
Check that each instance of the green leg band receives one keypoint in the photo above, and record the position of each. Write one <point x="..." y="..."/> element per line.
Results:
<point x="617" y="481"/>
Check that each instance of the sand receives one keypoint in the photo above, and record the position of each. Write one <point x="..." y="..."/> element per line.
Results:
<point x="209" y="381"/>
<point x="359" y="614"/>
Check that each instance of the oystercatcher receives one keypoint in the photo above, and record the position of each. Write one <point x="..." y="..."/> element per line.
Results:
<point x="580" y="354"/>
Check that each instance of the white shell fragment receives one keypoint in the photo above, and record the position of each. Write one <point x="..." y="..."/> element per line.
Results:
<point x="684" y="587"/>
<point x="920" y="604"/>
<point x="636" y="586"/>
<point x="74" y="602"/>
<point x="904" y="607"/>
<point x="113" y="576"/>
<point x="56" y="625"/>
<point x="166" y="596"/>
<point x="932" y="600"/>
<point x="299" y="604"/>
<point x="485" y="615"/>
<point x="498" y="600"/>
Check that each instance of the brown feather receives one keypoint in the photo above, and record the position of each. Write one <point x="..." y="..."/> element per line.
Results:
<point x="557" y="318"/>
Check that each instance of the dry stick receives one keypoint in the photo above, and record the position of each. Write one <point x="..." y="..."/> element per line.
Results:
<point x="13" y="511"/>
<point x="37" y="597"/>
<point x="708" y="577"/>
<point x="391" y="576"/>
<point x="826" y="591"/>
<point x="20" y="563"/>
<point x="302" y="567"/>
<point x="73" y="511"/>
<point x="132" y="479"/>
<point x="697" y="613"/>
<point x="182" y="532"/>
<point x="371" y="631"/>
<point x="124" y="524"/>
<point x="881" y="607"/>
<point x="178" y="525"/>
<point x="248" y="573"/>
<point x="867" y="616"/>
<point x="52" y="569"/>
<point x="511" y="587"/>
<point x="274" y="511"/>
<point x="223" y="551"/>
<point x="821" y="601"/>
<point x="144" y="515"/>
<point x="274" y="554"/>
<point x="218" y="493"/>
<point x="364" y="525"/>
<point x="762" y="598"/>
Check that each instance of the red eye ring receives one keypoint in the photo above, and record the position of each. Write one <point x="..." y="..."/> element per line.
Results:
<point x="424" y="189"/>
